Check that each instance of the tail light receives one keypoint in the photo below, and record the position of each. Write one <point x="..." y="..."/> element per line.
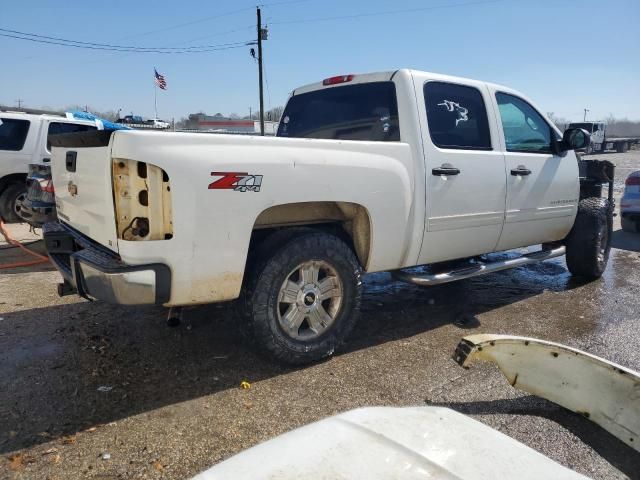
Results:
<point x="46" y="185"/>
<point x="633" y="180"/>
<point x="338" y="79"/>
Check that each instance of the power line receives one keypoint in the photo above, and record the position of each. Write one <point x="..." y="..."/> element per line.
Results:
<point x="386" y="12"/>
<point x="213" y="17"/>
<point x="110" y="47"/>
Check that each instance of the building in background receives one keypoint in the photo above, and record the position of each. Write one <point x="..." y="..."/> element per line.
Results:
<point x="218" y="123"/>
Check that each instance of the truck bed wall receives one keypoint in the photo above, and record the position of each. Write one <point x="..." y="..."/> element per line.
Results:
<point x="212" y="227"/>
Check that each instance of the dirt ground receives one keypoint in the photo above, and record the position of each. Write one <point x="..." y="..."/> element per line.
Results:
<point x="89" y="390"/>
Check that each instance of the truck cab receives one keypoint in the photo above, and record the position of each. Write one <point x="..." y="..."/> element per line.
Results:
<point x="481" y="151"/>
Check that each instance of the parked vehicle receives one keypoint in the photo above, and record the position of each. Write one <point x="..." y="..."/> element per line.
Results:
<point x="23" y="141"/>
<point x="630" y="204"/>
<point x="128" y="119"/>
<point x="157" y="123"/>
<point x="370" y="172"/>
<point x="600" y="141"/>
<point x="39" y="205"/>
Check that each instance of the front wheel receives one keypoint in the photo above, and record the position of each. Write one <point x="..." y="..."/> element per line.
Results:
<point x="302" y="296"/>
<point x="589" y="241"/>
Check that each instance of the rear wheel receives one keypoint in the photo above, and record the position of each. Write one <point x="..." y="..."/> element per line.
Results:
<point x="630" y="225"/>
<point x="302" y="298"/>
<point x="622" y="147"/>
<point x="589" y="241"/>
<point x="11" y="202"/>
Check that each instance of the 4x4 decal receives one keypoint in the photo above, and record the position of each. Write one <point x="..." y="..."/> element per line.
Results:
<point x="237" y="181"/>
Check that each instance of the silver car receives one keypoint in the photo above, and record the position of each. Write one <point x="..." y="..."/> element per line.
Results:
<point x="630" y="204"/>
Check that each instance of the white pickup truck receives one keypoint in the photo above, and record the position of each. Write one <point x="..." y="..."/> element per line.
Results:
<point x="368" y="173"/>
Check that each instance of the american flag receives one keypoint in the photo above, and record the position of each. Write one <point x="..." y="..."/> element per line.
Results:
<point x="160" y="81"/>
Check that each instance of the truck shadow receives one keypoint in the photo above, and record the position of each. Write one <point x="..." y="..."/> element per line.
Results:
<point x="621" y="456"/>
<point x="69" y="367"/>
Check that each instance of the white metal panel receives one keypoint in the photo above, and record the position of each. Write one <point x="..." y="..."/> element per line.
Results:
<point x="400" y="443"/>
<point x="604" y="392"/>
<point x="91" y="210"/>
<point x="212" y="228"/>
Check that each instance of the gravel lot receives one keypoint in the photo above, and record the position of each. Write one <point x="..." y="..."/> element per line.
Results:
<point x="89" y="390"/>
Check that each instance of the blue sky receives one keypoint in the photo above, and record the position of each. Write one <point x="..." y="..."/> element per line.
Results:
<point x="566" y="55"/>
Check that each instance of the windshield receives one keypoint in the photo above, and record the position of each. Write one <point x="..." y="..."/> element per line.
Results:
<point x="367" y="111"/>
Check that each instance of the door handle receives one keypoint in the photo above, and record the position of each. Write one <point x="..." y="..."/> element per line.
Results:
<point x="46" y="160"/>
<point x="520" y="171"/>
<point x="445" y="169"/>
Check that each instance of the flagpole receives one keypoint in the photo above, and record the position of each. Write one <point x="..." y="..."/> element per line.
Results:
<point x="155" y="98"/>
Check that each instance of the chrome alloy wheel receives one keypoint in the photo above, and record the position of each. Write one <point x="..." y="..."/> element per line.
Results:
<point x="17" y="204"/>
<point x="309" y="300"/>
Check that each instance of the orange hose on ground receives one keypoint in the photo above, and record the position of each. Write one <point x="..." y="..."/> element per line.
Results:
<point x="12" y="241"/>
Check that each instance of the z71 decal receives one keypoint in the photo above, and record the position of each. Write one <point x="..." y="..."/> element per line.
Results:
<point x="237" y="181"/>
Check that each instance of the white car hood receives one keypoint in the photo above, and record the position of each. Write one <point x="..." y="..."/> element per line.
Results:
<point x="385" y="442"/>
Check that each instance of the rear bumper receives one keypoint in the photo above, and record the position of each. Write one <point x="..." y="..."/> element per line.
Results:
<point x="96" y="272"/>
<point x="38" y="213"/>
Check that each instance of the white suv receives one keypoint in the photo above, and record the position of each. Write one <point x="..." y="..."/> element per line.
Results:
<point x="23" y="141"/>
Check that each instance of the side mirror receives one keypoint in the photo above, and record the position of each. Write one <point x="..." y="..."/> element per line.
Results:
<point x="574" y="139"/>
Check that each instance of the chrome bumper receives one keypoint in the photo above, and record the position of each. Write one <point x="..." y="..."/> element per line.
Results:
<point x="95" y="272"/>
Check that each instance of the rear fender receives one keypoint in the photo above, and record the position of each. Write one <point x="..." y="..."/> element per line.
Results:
<point x="604" y="392"/>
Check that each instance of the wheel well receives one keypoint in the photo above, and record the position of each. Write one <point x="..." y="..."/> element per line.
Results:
<point x="12" y="178"/>
<point x="347" y="220"/>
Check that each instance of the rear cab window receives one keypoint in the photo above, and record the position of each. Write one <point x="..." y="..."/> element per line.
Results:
<point x="365" y="111"/>
<point x="456" y="116"/>
<point x="13" y="133"/>
<point x="56" y="128"/>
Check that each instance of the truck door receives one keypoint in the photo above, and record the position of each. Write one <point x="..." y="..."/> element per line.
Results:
<point x="542" y="187"/>
<point x="465" y="171"/>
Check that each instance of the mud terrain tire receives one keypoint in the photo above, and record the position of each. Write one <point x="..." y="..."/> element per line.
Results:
<point x="589" y="241"/>
<point x="261" y="302"/>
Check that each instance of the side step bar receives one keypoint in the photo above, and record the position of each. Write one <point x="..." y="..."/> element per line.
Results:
<point x="478" y="269"/>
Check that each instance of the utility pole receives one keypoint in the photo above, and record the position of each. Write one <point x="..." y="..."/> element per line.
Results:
<point x="19" y="102"/>
<point x="262" y="35"/>
<point x="585" y="114"/>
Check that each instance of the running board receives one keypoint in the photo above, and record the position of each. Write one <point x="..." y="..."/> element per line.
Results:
<point x="478" y="269"/>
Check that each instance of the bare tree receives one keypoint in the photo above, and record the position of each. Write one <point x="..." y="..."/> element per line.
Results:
<point x="559" y="122"/>
<point x="275" y="113"/>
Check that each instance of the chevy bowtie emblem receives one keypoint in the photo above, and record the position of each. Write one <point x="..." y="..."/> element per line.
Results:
<point x="73" y="188"/>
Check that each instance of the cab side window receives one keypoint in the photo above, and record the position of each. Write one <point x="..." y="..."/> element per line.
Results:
<point x="56" y="128"/>
<point x="457" y="116"/>
<point x="13" y="134"/>
<point x="524" y="128"/>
